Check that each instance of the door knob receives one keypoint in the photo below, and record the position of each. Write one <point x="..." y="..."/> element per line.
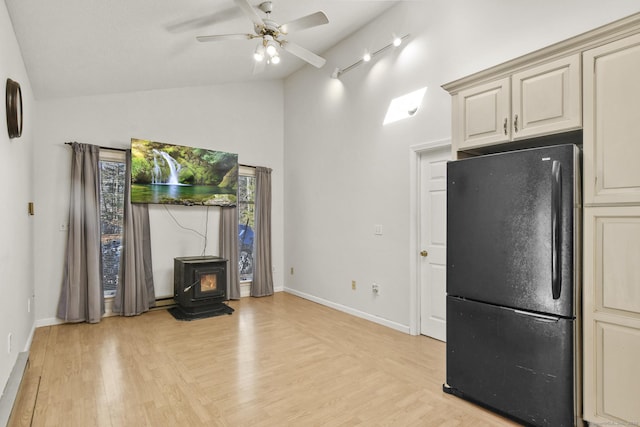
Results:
<point x="424" y="253"/>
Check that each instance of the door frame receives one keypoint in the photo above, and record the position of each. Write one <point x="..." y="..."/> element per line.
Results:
<point x="415" y="153"/>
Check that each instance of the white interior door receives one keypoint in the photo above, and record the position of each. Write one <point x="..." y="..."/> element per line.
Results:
<point x="433" y="239"/>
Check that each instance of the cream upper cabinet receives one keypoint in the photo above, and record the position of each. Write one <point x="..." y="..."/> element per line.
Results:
<point x="540" y="100"/>
<point x="547" y="98"/>
<point x="612" y="122"/>
<point x="484" y="114"/>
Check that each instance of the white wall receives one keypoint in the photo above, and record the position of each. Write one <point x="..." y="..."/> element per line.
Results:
<point x="242" y="118"/>
<point x="345" y="172"/>
<point x="16" y="247"/>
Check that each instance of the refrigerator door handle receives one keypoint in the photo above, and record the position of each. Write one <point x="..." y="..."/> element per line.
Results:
<point x="556" y="203"/>
<point x="540" y="317"/>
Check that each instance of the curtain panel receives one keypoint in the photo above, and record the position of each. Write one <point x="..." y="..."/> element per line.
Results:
<point x="262" y="276"/>
<point x="81" y="295"/>
<point x="229" y="248"/>
<point x="135" y="292"/>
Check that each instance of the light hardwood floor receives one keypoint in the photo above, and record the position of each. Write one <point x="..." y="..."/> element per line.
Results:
<point x="277" y="361"/>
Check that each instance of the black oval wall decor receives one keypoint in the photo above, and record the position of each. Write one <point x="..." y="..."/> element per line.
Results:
<point x="14" y="109"/>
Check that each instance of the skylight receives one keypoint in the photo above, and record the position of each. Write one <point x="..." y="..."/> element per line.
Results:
<point x="404" y="106"/>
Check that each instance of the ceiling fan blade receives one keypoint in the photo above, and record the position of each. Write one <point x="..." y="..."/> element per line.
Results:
<point x="259" y="66"/>
<point x="250" y="12"/>
<point x="203" y="21"/>
<point x="302" y="53"/>
<point x="309" y="21"/>
<point x="220" y="37"/>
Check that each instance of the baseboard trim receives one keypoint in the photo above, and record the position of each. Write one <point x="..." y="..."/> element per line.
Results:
<point x="27" y="345"/>
<point x="51" y="321"/>
<point x="351" y="311"/>
<point x="10" y="393"/>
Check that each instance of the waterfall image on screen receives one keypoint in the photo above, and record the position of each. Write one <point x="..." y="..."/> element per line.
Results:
<point x="181" y="175"/>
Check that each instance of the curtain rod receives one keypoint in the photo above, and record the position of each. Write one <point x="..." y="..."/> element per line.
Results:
<point x="104" y="148"/>
<point x="126" y="149"/>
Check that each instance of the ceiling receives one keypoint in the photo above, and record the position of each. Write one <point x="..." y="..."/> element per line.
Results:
<point x="88" y="47"/>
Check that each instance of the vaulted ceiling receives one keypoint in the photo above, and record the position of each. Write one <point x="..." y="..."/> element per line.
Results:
<point x="89" y="47"/>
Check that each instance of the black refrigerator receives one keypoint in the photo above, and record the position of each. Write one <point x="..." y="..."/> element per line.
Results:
<point x="513" y="283"/>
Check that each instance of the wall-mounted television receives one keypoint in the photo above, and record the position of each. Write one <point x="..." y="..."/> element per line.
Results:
<point x="181" y="175"/>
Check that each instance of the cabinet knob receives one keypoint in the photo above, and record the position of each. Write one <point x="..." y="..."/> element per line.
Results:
<point x="505" y="125"/>
<point x="424" y="253"/>
<point x="515" y="123"/>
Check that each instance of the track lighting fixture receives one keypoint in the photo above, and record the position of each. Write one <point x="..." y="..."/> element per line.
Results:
<point x="367" y="57"/>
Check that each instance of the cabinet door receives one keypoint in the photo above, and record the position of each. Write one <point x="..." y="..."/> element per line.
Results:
<point x="547" y="98"/>
<point x="611" y="315"/>
<point x="483" y="114"/>
<point x="612" y="122"/>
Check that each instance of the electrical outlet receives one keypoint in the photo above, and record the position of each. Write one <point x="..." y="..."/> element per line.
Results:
<point x="375" y="288"/>
<point x="353" y="285"/>
<point x="292" y="271"/>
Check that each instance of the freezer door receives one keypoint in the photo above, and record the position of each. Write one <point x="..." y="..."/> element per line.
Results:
<point x="510" y="229"/>
<point x="512" y="362"/>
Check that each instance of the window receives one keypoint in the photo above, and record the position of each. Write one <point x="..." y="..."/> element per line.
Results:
<point x="112" y="185"/>
<point x="246" y="221"/>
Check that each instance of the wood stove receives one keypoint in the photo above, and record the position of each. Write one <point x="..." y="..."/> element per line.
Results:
<point x="200" y="286"/>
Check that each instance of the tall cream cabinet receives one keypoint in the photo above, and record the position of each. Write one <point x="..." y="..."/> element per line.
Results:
<point x="612" y="232"/>
<point x="589" y="82"/>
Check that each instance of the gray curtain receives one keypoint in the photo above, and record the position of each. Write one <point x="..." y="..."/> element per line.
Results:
<point x="262" y="277"/>
<point x="82" y="297"/>
<point x="229" y="248"/>
<point x="135" y="293"/>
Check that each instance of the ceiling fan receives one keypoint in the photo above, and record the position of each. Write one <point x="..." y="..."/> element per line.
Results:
<point x="273" y="35"/>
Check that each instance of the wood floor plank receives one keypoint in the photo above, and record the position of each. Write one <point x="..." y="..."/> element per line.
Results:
<point x="277" y="361"/>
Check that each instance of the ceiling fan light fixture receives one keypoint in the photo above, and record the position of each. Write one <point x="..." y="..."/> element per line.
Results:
<point x="271" y="35"/>
<point x="271" y="50"/>
<point x="258" y="55"/>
